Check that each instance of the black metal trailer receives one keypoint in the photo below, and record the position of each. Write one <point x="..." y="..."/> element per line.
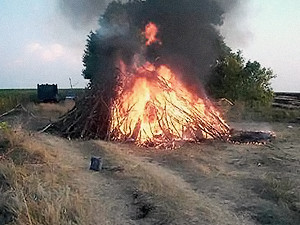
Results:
<point x="47" y="92"/>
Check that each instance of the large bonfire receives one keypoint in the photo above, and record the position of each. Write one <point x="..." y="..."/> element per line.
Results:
<point x="150" y="106"/>
<point x="153" y="107"/>
<point x="146" y="77"/>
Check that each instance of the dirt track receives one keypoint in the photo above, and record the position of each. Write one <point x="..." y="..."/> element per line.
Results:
<point x="208" y="183"/>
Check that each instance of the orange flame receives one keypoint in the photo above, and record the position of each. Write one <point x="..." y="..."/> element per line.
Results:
<point x="154" y="107"/>
<point x="151" y="31"/>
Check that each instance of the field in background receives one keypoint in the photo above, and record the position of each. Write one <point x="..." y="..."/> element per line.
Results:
<point x="238" y="112"/>
<point x="9" y="98"/>
<point x="286" y="106"/>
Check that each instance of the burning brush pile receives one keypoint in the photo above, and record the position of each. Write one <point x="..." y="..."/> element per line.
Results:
<point x="147" y="65"/>
<point x="153" y="107"/>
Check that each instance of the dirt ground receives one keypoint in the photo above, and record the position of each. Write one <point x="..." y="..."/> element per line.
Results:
<point x="207" y="183"/>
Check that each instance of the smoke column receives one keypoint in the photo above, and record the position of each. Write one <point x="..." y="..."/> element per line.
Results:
<point x="188" y="29"/>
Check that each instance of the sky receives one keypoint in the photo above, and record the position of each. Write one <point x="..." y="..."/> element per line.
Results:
<point x="39" y="45"/>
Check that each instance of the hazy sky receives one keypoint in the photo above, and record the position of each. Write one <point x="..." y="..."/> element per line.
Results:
<point x="38" y="45"/>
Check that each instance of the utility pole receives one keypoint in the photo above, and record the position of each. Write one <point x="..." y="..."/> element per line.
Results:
<point x="71" y="83"/>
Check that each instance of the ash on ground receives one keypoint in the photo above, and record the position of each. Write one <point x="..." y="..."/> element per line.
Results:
<point x="255" y="137"/>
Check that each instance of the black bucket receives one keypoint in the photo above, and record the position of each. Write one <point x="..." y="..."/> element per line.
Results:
<point x="96" y="163"/>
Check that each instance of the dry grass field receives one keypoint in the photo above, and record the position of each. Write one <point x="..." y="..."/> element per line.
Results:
<point x="45" y="179"/>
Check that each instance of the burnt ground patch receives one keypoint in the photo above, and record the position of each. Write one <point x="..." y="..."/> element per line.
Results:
<point x="143" y="204"/>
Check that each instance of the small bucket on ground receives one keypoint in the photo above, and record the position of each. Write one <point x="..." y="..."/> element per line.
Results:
<point x="96" y="163"/>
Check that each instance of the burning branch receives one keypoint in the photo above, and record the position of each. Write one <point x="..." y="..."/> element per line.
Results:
<point x="155" y="107"/>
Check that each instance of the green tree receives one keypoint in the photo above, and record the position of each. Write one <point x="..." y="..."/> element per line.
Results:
<point x="236" y="79"/>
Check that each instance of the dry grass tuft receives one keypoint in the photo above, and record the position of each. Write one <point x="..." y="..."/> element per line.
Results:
<point x="9" y="199"/>
<point x="31" y="190"/>
<point x="283" y="190"/>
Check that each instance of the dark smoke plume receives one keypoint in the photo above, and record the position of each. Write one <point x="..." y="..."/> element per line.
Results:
<point x="187" y="29"/>
<point x="190" y="41"/>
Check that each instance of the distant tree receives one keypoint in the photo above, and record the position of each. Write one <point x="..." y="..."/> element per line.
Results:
<point x="90" y="57"/>
<point x="112" y="41"/>
<point x="237" y="80"/>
